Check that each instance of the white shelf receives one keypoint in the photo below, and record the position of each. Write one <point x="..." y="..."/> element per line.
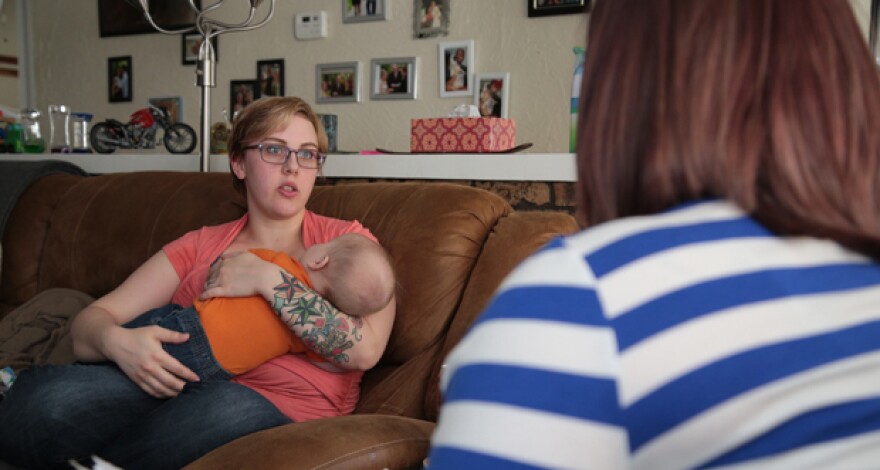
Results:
<point x="479" y="167"/>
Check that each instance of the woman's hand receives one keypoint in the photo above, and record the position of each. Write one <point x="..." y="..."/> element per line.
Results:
<point x="239" y="274"/>
<point x="139" y="353"/>
<point x="98" y="336"/>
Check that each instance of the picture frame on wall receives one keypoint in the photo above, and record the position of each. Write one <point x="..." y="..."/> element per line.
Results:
<point x="190" y="44"/>
<point x="394" y="78"/>
<point x="557" y="7"/>
<point x="491" y="95"/>
<point x="456" y="65"/>
<point x="337" y="83"/>
<point x="241" y="94"/>
<point x="430" y="18"/>
<point x="172" y="104"/>
<point x="357" y="11"/>
<point x="120" y="18"/>
<point x="119" y="79"/>
<point x="270" y="78"/>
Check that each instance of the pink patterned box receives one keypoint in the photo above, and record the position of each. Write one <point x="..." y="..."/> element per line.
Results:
<point x="462" y="135"/>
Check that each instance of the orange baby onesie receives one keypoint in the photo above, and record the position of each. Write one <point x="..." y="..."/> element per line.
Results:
<point x="245" y="332"/>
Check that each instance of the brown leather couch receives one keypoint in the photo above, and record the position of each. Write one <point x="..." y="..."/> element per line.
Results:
<point x="451" y="245"/>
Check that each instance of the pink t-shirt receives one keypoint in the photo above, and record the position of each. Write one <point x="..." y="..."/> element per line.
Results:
<point x="301" y="390"/>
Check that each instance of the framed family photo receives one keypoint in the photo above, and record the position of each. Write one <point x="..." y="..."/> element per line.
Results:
<point x="430" y="18"/>
<point x="172" y="104"/>
<point x="241" y="94"/>
<point x="356" y="11"/>
<point x="190" y="45"/>
<point x="456" y="66"/>
<point x="270" y="78"/>
<point x="394" y="78"/>
<point x="119" y="81"/>
<point x="557" y="7"/>
<point x="337" y="83"/>
<point x="491" y="95"/>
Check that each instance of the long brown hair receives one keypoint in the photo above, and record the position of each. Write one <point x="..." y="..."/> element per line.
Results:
<point x="772" y="104"/>
<point x="263" y="117"/>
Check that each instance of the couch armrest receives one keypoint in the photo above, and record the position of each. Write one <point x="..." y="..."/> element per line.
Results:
<point x="356" y="441"/>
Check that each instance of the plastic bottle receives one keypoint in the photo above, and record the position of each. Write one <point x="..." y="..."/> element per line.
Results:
<point x="79" y="125"/>
<point x="580" y="55"/>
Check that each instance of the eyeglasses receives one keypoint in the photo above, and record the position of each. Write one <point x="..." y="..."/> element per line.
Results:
<point x="278" y="154"/>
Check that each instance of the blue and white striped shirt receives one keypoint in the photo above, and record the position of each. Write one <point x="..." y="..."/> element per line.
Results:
<point x="692" y="338"/>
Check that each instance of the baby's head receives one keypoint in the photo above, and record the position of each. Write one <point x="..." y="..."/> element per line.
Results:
<point x="353" y="272"/>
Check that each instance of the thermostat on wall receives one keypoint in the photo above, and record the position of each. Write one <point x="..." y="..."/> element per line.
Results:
<point x="311" y="25"/>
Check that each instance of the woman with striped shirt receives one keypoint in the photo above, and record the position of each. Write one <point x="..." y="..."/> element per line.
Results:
<point x="723" y="307"/>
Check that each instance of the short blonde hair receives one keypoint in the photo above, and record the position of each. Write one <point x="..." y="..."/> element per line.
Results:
<point x="263" y="117"/>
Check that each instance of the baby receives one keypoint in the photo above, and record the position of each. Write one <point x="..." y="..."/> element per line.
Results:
<point x="232" y="335"/>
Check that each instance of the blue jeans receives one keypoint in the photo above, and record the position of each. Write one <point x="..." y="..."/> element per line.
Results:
<point x="195" y="352"/>
<point x="55" y="413"/>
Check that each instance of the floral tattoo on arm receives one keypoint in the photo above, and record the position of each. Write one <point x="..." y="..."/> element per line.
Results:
<point x="320" y="325"/>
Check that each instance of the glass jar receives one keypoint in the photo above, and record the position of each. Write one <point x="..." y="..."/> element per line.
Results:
<point x="31" y="136"/>
<point x="59" y="128"/>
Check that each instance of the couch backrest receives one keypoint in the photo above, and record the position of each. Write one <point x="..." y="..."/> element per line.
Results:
<point x="24" y="236"/>
<point x="513" y="239"/>
<point x="90" y="233"/>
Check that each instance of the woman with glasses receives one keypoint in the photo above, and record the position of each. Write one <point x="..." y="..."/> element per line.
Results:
<point x="722" y="310"/>
<point x="131" y="403"/>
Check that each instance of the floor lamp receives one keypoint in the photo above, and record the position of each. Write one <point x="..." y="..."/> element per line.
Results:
<point x="205" y="70"/>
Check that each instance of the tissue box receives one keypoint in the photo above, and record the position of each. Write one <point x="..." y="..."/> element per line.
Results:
<point x="462" y="135"/>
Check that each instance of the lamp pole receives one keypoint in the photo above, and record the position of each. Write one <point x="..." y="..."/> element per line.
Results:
<point x="206" y="68"/>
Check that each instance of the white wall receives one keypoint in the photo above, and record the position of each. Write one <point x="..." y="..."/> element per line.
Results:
<point x="71" y="64"/>
<point x="862" y="11"/>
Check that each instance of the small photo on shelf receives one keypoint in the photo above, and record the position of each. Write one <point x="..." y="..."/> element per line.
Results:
<point x="491" y="95"/>
<point x="241" y="94"/>
<point x="173" y="105"/>
<point x="190" y="45"/>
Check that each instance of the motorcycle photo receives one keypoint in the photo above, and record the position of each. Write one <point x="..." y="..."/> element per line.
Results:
<point x="140" y="132"/>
